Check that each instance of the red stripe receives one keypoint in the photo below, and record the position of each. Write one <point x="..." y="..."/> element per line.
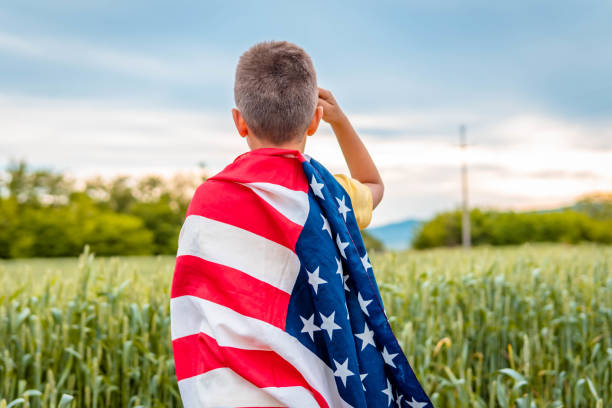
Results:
<point x="266" y="165"/>
<point x="200" y="353"/>
<point x="241" y="207"/>
<point x="231" y="288"/>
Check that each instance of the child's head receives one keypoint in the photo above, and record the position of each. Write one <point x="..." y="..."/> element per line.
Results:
<point x="276" y="94"/>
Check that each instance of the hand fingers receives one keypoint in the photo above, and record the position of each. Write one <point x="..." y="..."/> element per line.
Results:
<point x="325" y="94"/>
<point x="329" y="100"/>
<point x="324" y="104"/>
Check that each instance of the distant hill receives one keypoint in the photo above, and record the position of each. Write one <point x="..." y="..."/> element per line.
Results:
<point x="397" y="235"/>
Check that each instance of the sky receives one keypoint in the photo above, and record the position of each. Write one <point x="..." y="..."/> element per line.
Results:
<point x="136" y="87"/>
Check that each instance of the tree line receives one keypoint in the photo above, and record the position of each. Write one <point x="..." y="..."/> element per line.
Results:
<point x="589" y="219"/>
<point x="49" y="214"/>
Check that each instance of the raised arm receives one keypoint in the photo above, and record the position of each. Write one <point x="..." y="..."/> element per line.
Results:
<point x="357" y="158"/>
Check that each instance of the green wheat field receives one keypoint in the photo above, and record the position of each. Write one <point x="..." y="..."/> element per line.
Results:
<point x="527" y="326"/>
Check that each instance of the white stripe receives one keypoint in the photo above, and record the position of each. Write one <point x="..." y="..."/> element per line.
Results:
<point x="298" y="397"/>
<point x="292" y="204"/>
<point x="191" y="315"/>
<point x="222" y="387"/>
<point x="240" y="249"/>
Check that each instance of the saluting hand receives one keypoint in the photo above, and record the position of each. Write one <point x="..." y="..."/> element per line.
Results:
<point x="332" y="113"/>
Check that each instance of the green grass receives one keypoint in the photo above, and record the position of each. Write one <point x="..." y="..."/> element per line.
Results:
<point x="528" y="326"/>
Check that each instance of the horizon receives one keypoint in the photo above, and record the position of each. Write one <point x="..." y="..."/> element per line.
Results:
<point x="79" y="184"/>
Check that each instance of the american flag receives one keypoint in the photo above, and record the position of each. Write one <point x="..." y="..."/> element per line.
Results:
<point x="274" y="301"/>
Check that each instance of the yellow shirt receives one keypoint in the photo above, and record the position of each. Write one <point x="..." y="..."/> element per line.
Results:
<point x="361" y="198"/>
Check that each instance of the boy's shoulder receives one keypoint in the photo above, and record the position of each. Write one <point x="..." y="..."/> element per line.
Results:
<point x="227" y="187"/>
<point x="222" y="190"/>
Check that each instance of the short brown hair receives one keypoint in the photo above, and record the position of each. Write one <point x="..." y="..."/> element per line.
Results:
<point x="276" y="90"/>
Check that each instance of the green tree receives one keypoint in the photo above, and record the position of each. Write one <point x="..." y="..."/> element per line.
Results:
<point x="164" y="223"/>
<point x="597" y="205"/>
<point x="512" y="228"/>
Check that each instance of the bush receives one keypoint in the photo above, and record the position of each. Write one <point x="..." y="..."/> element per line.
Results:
<point x="38" y="231"/>
<point x="512" y="228"/>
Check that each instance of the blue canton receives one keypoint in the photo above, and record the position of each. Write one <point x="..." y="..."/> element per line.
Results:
<point x="336" y="309"/>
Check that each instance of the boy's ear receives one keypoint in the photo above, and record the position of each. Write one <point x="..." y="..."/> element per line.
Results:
<point x="240" y="123"/>
<point x="316" y="119"/>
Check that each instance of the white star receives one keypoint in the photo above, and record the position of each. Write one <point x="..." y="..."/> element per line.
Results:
<point x="367" y="337"/>
<point x="314" y="280"/>
<point x="341" y="245"/>
<point x="363" y="304"/>
<point x="309" y="326"/>
<point x="326" y="226"/>
<point x="343" y="209"/>
<point x="416" y="404"/>
<point x="365" y="261"/>
<point x="398" y="400"/>
<point x="342" y="370"/>
<point x="388" y="357"/>
<point x="339" y="271"/>
<point x="388" y="392"/>
<point x="317" y="187"/>
<point x="361" y="377"/>
<point x="344" y="278"/>
<point x="329" y="324"/>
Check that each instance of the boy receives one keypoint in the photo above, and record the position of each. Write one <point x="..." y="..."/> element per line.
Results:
<point x="259" y="317"/>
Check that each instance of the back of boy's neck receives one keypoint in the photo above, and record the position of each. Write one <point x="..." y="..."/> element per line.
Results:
<point x="257" y="144"/>
<point x="292" y="147"/>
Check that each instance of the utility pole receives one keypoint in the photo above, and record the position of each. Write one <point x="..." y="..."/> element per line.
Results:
<point x="465" y="211"/>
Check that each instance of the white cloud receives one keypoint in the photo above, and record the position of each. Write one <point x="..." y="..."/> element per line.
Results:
<point x="535" y="161"/>
<point x="538" y="165"/>
<point x="89" y="138"/>
<point x="195" y="66"/>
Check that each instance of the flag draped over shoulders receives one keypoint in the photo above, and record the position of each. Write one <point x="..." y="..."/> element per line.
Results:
<point x="274" y="301"/>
